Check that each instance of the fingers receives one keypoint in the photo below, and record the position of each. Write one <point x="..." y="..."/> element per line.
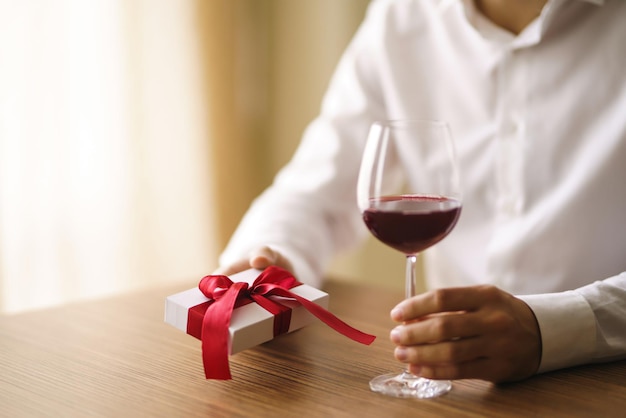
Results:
<point x="265" y="256"/>
<point x="490" y="369"/>
<point x="477" y="369"/>
<point x="260" y="258"/>
<point x="436" y="328"/>
<point x="467" y="358"/>
<point x="444" y="300"/>
<point x="444" y="353"/>
<point x="231" y="269"/>
<point x="476" y="332"/>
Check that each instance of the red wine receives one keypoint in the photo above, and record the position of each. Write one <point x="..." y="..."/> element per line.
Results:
<point x="411" y="223"/>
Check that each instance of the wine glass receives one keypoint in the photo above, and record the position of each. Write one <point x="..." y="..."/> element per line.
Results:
<point x="409" y="195"/>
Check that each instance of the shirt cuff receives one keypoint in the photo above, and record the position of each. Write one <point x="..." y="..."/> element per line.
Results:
<point x="568" y="329"/>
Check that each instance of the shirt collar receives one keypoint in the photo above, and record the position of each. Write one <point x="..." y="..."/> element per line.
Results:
<point x="444" y="4"/>
<point x="534" y="32"/>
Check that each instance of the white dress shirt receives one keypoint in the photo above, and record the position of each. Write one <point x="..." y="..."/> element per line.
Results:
<point x="539" y="120"/>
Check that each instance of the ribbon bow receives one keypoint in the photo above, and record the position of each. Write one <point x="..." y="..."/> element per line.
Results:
<point x="273" y="281"/>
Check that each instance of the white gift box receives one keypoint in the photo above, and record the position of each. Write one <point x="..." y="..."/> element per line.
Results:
<point x="250" y="324"/>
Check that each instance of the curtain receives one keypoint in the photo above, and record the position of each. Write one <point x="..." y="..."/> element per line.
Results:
<point x="104" y="179"/>
<point x="135" y="133"/>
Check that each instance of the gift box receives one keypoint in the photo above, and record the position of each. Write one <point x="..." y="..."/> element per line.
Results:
<point x="250" y="324"/>
<point x="230" y="314"/>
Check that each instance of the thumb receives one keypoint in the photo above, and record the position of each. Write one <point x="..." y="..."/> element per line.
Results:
<point x="265" y="256"/>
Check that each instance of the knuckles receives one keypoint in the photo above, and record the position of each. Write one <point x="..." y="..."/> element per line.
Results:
<point x="500" y="321"/>
<point x="444" y="298"/>
<point x="441" y="298"/>
<point x="490" y="293"/>
<point x="441" y="328"/>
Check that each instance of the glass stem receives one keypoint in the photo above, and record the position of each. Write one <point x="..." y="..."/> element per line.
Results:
<point x="411" y="261"/>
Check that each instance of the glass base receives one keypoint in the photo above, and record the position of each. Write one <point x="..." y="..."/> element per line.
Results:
<point x="407" y="385"/>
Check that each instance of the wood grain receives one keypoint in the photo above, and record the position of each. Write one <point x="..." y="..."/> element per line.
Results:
<point x="116" y="358"/>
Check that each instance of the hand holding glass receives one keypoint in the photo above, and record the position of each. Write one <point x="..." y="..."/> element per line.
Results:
<point x="409" y="195"/>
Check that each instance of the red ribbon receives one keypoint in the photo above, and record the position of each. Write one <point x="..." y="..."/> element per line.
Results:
<point x="226" y="295"/>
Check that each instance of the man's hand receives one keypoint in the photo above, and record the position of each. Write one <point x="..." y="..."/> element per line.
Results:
<point x="260" y="258"/>
<point x="478" y="332"/>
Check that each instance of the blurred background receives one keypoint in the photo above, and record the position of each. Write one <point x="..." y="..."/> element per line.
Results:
<point x="135" y="133"/>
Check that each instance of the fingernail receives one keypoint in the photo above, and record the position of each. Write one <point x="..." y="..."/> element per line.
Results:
<point x="396" y="314"/>
<point x="416" y="370"/>
<point x="400" y="353"/>
<point x="395" y="335"/>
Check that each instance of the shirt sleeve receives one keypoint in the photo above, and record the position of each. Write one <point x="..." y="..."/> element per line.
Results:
<point x="586" y="325"/>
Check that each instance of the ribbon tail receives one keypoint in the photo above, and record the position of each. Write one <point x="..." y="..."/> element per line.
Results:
<point x="215" y="336"/>
<point x="328" y="318"/>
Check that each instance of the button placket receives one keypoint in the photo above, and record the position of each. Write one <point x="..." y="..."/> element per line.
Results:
<point x="510" y="134"/>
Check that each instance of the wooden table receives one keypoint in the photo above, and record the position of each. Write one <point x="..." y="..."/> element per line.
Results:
<point x="116" y="358"/>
